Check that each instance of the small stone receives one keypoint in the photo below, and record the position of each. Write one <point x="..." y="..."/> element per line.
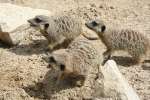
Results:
<point x="92" y="5"/>
<point x="111" y="7"/>
<point x="101" y="6"/>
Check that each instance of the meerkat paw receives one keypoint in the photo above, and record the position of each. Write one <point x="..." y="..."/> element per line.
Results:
<point x="106" y="58"/>
<point x="79" y="83"/>
<point x="49" y="48"/>
<point x="107" y="54"/>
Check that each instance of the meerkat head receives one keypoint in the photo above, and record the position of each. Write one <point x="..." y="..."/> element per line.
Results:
<point x="96" y="25"/>
<point x="60" y="60"/>
<point x="39" y="22"/>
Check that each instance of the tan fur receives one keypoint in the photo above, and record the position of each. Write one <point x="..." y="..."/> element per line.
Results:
<point x="133" y="42"/>
<point x="80" y="58"/>
<point x="60" y="28"/>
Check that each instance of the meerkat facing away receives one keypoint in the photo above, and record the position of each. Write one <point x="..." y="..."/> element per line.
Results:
<point x="133" y="42"/>
<point x="58" y="29"/>
<point x="78" y="60"/>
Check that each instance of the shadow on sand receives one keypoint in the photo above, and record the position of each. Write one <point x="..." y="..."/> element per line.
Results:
<point x="129" y="61"/>
<point x="36" y="47"/>
<point x="124" y="61"/>
<point x="48" y="86"/>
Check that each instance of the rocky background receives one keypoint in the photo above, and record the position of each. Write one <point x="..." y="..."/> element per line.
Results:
<point x="22" y="67"/>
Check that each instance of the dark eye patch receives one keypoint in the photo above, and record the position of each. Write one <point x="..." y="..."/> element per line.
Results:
<point x="51" y="59"/>
<point x="38" y="20"/>
<point x="62" y="67"/>
<point x="94" y="23"/>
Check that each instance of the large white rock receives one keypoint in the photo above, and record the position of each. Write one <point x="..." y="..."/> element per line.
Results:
<point x="12" y="17"/>
<point x="115" y="84"/>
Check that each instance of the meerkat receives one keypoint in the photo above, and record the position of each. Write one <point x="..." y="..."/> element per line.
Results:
<point x="58" y="29"/>
<point x="77" y="60"/>
<point x="133" y="42"/>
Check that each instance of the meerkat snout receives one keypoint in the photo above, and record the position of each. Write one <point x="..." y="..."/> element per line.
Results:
<point x="34" y="22"/>
<point x="39" y="20"/>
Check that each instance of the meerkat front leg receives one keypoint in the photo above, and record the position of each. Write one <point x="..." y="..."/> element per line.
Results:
<point x="60" y="77"/>
<point x="56" y="44"/>
<point x="51" y="46"/>
<point x="106" y="55"/>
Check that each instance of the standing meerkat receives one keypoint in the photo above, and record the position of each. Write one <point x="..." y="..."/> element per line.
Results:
<point x="59" y="29"/>
<point x="78" y="60"/>
<point x="133" y="42"/>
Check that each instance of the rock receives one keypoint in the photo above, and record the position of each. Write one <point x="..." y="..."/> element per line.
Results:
<point x="111" y="7"/>
<point x="13" y="20"/>
<point x="115" y="84"/>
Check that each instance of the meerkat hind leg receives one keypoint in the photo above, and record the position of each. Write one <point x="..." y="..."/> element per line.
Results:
<point x="139" y="60"/>
<point x="142" y="60"/>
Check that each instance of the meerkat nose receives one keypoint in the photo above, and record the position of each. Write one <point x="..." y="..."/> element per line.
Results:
<point x="29" y="21"/>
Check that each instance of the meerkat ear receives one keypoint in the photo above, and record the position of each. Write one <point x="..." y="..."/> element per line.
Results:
<point x="62" y="67"/>
<point x="46" y="26"/>
<point x="103" y="28"/>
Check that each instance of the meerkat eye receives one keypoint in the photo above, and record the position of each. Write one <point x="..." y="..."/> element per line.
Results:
<point x="38" y="20"/>
<point x="62" y="67"/>
<point x="94" y="23"/>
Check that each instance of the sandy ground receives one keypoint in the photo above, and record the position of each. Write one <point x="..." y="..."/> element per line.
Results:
<point x="23" y="66"/>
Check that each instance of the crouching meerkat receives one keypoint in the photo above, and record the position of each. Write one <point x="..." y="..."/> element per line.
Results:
<point x="58" y="29"/>
<point x="133" y="42"/>
<point x="78" y="60"/>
